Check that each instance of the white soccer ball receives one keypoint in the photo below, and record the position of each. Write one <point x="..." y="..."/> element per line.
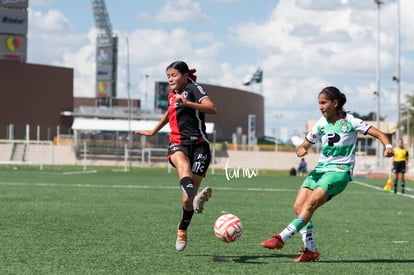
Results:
<point x="228" y="228"/>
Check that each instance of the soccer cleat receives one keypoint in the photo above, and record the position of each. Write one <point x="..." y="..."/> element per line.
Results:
<point x="307" y="256"/>
<point x="181" y="241"/>
<point x="201" y="198"/>
<point x="274" y="242"/>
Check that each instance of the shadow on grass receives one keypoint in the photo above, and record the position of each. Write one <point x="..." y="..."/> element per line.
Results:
<point x="378" y="261"/>
<point x="247" y="259"/>
<point x="253" y="259"/>
<point x="256" y="259"/>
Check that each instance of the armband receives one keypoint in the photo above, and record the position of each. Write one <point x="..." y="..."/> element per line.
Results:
<point x="388" y="146"/>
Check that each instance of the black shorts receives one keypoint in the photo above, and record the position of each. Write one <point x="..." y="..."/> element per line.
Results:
<point x="199" y="155"/>
<point x="398" y="167"/>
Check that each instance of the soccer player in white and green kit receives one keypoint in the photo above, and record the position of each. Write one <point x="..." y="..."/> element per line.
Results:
<point x="337" y="131"/>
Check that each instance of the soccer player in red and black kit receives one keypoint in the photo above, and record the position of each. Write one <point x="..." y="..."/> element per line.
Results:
<point x="188" y="150"/>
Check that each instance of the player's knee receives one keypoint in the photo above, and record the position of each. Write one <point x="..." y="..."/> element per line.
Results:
<point x="297" y="207"/>
<point x="310" y="206"/>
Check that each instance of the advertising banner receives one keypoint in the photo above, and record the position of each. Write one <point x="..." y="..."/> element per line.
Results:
<point x="13" y="21"/>
<point x="13" y="47"/>
<point x="161" y="95"/>
<point x="23" y="4"/>
<point x="252" y="130"/>
<point x="104" y="72"/>
<point x="104" y="55"/>
<point x="104" y="41"/>
<point x="103" y="88"/>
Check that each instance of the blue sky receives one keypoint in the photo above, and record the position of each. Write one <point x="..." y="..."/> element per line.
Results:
<point x="301" y="45"/>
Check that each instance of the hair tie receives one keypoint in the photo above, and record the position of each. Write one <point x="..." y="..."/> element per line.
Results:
<point x="191" y="74"/>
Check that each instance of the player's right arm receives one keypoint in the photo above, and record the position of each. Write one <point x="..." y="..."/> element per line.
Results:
<point x="302" y="149"/>
<point x="310" y="139"/>
<point x="163" y="121"/>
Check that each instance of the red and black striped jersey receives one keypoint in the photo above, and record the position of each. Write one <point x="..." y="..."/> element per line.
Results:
<point x="187" y="124"/>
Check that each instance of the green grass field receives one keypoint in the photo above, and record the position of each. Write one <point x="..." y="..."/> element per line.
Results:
<point x="53" y="221"/>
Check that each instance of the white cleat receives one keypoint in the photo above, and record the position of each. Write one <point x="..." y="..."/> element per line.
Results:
<point x="201" y="198"/>
<point x="181" y="242"/>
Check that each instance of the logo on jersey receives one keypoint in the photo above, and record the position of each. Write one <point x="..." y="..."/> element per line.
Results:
<point x="322" y="131"/>
<point x="201" y="89"/>
<point x="344" y="127"/>
<point x="341" y="167"/>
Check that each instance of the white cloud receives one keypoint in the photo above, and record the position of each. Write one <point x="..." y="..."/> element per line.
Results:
<point x="301" y="45"/>
<point x="51" y="36"/>
<point x="176" y="11"/>
<point x="318" y="43"/>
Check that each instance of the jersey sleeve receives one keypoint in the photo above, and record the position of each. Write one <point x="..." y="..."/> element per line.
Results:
<point x="198" y="92"/>
<point x="313" y="135"/>
<point x="360" y="125"/>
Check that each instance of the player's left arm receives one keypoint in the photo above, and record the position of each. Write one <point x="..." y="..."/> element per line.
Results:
<point x="374" y="132"/>
<point x="206" y="105"/>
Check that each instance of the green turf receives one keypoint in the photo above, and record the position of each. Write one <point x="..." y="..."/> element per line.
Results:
<point x="114" y="222"/>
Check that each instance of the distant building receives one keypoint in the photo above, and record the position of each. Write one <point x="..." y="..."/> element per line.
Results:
<point x="33" y="97"/>
<point x="41" y="98"/>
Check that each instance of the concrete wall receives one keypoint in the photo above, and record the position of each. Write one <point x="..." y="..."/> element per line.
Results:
<point x="65" y="155"/>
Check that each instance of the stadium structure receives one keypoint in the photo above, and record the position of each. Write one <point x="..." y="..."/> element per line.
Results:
<point x="38" y="102"/>
<point x="38" y="107"/>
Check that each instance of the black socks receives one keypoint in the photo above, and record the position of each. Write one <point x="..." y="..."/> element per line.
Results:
<point x="187" y="186"/>
<point x="185" y="219"/>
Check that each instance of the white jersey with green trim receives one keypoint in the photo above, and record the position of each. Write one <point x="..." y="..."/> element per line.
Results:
<point x="338" y="142"/>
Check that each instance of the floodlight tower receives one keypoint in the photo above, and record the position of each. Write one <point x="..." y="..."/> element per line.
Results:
<point x="378" y="92"/>
<point x="106" y="56"/>
<point x="102" y="21"/>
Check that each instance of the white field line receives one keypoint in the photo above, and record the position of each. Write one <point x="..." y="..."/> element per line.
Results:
<point x="80" y="172"/>
<point x="380" y="189"/>
<point x="140" y="186"/>
<point x="176" y="187"/>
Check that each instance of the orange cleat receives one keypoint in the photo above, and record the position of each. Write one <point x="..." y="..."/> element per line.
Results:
<point x="307" y="256"/>
<point x="181" y="242"/>
<point x="275" y="242"/>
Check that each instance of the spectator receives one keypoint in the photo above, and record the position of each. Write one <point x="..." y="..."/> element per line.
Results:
<point x="303" y="167"/>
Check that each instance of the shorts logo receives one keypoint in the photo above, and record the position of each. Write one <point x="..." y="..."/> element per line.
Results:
<point x="174" y="147"/>
<point x="199" y="164"/>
